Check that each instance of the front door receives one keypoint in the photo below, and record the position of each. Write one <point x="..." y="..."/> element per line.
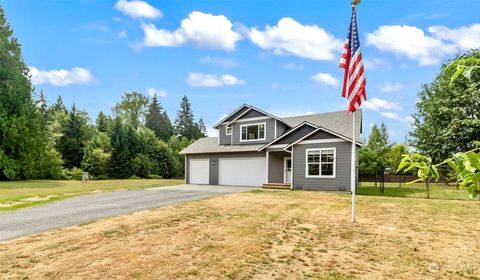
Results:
<point x="287" y="170"/>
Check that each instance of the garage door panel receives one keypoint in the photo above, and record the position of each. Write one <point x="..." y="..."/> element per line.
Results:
<point x="242" y="171"/>
<point x="199" y="171"/>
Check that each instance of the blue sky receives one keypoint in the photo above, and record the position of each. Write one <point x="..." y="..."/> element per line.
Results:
<point x="280" y="56"/>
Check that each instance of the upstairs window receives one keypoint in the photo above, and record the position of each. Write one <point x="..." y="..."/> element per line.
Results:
<point x="320" y="163"/>
<point x="229" y="130"/>
<point x="252" y="132"/>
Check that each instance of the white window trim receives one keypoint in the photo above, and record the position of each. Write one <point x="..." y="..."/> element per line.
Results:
<point x="252" y="124"/>
<point x="251" y="119"/>
<point x="226" y="129"/>
<point x="320" y="163"/>
<point x="321" y="141"/>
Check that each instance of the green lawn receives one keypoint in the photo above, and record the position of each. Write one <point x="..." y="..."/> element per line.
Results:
<point x="19" y="194"/>
<point x="417" y="190"/>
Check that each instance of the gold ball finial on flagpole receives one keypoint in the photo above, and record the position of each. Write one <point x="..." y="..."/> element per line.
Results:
<point x="356" y="2"/>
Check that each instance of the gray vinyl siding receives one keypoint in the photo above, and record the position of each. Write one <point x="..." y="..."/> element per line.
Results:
<point x="213" y="168"/>
<point x="276" y="166"/>
<point x="269" y="132"/>
<point x="341" y="182"/>
<point x="320" y="135"/>
<point x="295" y="135"/>
<point x="281" y="128"/>
<point x="224" y="139"/>
<point x="252" y="114"/>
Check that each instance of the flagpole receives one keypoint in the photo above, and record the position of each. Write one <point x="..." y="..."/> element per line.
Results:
<point x="353" y="171"/>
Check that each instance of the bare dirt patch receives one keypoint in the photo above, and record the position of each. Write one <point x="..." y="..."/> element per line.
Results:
<point x="262" y="235"/>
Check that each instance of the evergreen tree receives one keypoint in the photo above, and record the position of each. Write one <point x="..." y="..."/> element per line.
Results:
<point x="184" y="123"/>
<point x="121" y="162"/>
<point x="22" y="141"/>
<point x="158" y="121"/>
<point x="378" y="139"/>
<point x="58" y="106"/>
<point x="71" y="143"/>
<point x="43" y="109"/>
<point x="103" y="122"/>
<point x="201" y="129"/>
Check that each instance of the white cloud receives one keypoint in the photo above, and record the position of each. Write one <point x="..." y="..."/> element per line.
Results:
<point x="137" y="9"/>
<point x="309" y="113"/>
<point x="76" y="75"/>
<point x="465" y="37"/>
<point x="397" y="117"/>
<point x="430" y="49"/>
<point x="391" y="87"/>
<point x="291" y="37"/>
<point x="377" y="104"/>
<point x="293" y="66"/>
<point x="326" y="79"/>
<point x="212" y="80"/>
<point x="203" y="30"/>
<point x="219" y="61"/>
<point x="371" y="124"/>
<point x="411" y="42"/>
<point x="122" y="34"/>
<point x="158" y="92"/>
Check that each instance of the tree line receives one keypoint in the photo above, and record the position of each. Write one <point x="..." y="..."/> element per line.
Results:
<point x="50" y="141"/>
<point x="446" y="122"/>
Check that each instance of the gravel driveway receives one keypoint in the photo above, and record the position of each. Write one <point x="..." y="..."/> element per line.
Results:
<point x="90" y="207"/>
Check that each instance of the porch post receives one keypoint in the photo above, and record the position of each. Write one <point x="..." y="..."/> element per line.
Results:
<point x="266" y="175"/>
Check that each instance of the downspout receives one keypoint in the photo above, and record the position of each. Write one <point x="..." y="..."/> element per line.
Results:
<point x="291" y="179"/>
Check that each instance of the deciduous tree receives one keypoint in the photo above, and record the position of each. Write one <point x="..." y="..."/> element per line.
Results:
<point x="448" y="112"/>
<point x="132" y="108"/>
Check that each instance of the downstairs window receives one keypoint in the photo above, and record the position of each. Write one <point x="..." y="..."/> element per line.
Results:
<point x="320" y="163"/>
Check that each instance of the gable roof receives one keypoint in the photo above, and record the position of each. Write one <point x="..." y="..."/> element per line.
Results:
<point x="231" y="114"/>
<point x="322" y="129"/>
<point x="250" y="107"/>
<point x="287" y="133"/>
<point x="339" y="122"/>
<point x="210" y="145"/>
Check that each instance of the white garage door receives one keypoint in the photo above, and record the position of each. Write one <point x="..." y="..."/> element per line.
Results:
<point x="241" y="171"/>
<point x="199" y="171"/>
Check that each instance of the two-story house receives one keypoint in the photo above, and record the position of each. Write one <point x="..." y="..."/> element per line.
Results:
<point x="255" y="148"/>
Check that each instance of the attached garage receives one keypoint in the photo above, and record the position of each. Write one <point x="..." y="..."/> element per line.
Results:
<point x="242" y="171"/>
<point x="199" y="171"/>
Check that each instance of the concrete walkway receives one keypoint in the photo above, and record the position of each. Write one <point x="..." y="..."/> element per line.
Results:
<point x="81" y="209"/>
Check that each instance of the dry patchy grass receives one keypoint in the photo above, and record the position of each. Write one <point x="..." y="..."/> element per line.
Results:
<point x="19" y="194"/>
<point x="262" y="235"/>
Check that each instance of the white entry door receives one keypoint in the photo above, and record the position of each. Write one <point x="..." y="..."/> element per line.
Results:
<point x="287" y="170"/>
<point x="242" y="171"/>
<point x="199" y="171"/>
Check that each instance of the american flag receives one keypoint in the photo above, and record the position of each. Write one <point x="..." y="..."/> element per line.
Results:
<point x="354" y="80"/>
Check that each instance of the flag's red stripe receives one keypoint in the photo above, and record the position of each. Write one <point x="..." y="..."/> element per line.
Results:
<point x="345" y="66"/>
<point x="354" y="82"/>
<point x="355" y="64"/>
